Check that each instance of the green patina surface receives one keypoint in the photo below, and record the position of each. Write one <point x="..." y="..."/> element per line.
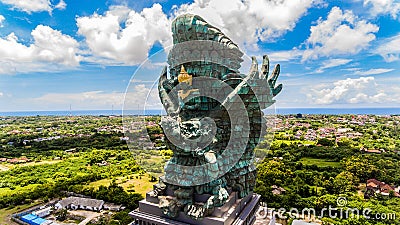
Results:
<point x="203" y="51"/>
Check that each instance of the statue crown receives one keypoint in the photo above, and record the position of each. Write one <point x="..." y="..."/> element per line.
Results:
<point x="184" y="76"/>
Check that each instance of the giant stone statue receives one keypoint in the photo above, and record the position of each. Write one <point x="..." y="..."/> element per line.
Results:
<point x="214" y="121"/>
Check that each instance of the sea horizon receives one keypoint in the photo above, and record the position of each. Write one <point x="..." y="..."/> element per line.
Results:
<point x="279" y="111"/>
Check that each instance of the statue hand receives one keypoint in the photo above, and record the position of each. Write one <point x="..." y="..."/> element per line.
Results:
<point x="261" y="85"/>
<point x="274" y="76"/>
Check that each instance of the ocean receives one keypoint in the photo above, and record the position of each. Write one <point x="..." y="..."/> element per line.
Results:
<point x="279" y="111"/>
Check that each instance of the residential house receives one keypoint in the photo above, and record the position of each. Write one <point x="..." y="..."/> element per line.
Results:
<point x="23" y="159"/>
<point x="277" y="190"/>
<point x="75" y="203"/>
<point x="371" y="151"/>
<point x="377" y="187"/>
<point x="113" y="207"/>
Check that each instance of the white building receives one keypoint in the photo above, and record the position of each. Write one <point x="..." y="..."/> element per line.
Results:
<point x="42" y="212"/>
<point x="75" y="203"/>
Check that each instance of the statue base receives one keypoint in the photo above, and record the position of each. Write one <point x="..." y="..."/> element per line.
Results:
<point x="234" y="212"/>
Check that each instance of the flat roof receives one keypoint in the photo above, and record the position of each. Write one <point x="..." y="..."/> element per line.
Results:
<point x="39" y="220"/>
<point x="29" y="217"/>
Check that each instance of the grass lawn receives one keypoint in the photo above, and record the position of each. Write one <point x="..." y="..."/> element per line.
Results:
<point x="5" y="214"/>
<point x="304" y="142"/>
<point x="8" y="166"/>
<point x="42" y="162"/>
<point x="140" y="184"/>
<point x="319" y="162"/>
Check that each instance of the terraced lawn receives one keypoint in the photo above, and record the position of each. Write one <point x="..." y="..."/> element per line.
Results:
<point x="319" y="162"/>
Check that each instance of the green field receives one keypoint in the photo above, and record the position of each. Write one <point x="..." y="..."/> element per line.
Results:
<point x="319" y="162"/>
<point x="140" y="183"/>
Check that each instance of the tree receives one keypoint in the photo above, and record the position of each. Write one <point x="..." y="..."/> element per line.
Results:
<point x="361" y="167"/>
<point x="61" y="214"/>
<point x="344" y="182"/>
<point x="326" y="142"/>
<point x="274" y="172"/>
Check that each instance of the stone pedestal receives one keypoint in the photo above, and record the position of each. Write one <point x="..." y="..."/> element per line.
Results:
<point x="235" y="212"/>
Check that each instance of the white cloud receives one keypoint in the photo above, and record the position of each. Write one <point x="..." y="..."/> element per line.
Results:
<point x="2" y="20"/>
<point x="49" y="46"/>
<point x="360" y="90"/>
<point x="373" y="71"/>
<point x="284" y="56"/>
<point x="382" y="7"/>
<point x="125" y="36"/>
<point x="61" y="5"/>
<point x="341" y="33"/>
<point x="53" y="46"/>
<point x="1" y="94"/>
<point x="29" y="5"/>
<point x="334" y="63"/>
<point x="106" y="38"/>
<point x="140" y="96"/>
<point x="390" y="49"/>
<point x="249" y="21"/>
<point x="352" y="69"/>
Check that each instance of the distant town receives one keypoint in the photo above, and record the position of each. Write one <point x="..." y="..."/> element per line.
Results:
<point x="95" y="169"/>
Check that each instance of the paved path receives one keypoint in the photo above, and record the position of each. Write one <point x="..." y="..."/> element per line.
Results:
<point x="87" y="214"/>
<point x="87" y="220"/>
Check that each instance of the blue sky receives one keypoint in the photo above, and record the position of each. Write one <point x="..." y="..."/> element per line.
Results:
<point x="57" y="53"/>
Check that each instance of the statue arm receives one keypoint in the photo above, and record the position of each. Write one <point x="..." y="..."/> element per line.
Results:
<point x="262" y="85"/>
<point x="169" y="104"/>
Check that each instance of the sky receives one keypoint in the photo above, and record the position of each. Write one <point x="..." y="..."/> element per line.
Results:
<point x="86" y="54"/>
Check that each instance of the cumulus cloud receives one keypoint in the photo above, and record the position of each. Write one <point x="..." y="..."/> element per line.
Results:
<point x="373" y="71"/>
<point x="383" y="7"/>
<point x="2" y="20"/>
<point x="341" y="33"/>
<point x="390" y="49"/>
<point x="49" y="46"/>
<point x="248" y="21"/>
<point x="360" y="90"/>
<point x="1" y="94"/>
<point x="124" y="35"/>
<point x="29" y="6"/>
<point x="61" y="5"/>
